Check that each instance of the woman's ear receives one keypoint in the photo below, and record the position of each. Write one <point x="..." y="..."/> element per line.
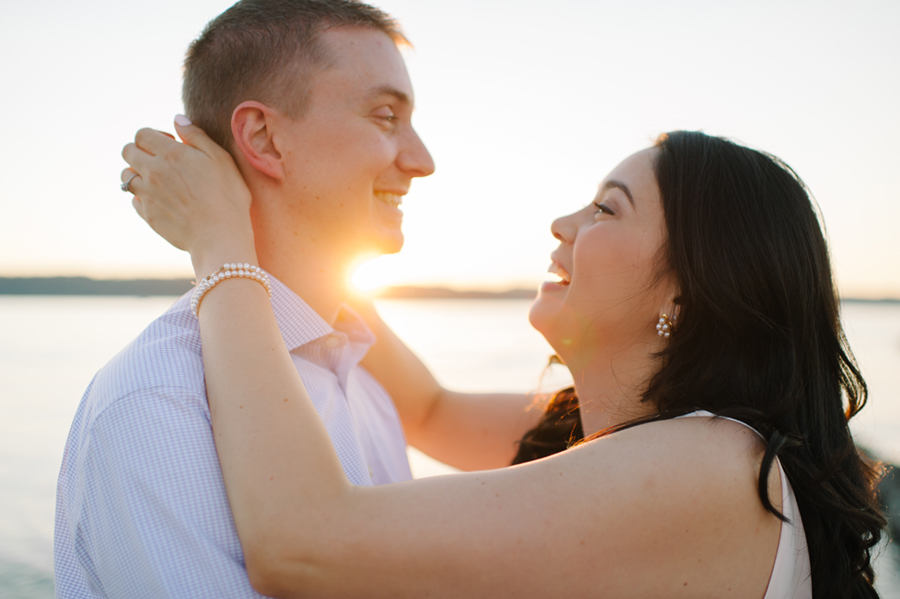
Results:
<point x="676" y="307"/>
<point x="672" y="298"/>
<point x="252" y="127"/>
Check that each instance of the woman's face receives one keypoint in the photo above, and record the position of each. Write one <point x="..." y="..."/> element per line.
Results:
<point x="612" y="290"/>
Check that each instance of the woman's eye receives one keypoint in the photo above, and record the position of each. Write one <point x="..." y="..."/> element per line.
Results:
<point x="602" y="209"/>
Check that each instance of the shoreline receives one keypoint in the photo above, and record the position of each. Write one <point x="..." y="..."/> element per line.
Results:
<point x="85" y="286"/>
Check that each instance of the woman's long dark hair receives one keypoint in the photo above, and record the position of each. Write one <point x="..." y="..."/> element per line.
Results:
<point x="759" y="339"/>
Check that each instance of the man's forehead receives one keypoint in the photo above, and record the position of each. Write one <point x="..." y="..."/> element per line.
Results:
<point x="368" y="61"/>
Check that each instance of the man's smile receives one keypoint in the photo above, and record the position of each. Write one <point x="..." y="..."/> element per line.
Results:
<point x="393" y="199"/>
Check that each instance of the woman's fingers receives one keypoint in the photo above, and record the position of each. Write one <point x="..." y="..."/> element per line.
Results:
<point x="129" y="177"/>
<point x="188" y="192"/>
<point x="195" y="137"/>
<point x="136" y="158"/>
<point x="154" y="142"/>
<point x="138" y="207"/>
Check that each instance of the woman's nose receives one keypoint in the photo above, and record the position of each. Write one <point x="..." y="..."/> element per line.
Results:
<point x="564" y="228"/>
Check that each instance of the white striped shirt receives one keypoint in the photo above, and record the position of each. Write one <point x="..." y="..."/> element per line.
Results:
<point x="141" y="509"/>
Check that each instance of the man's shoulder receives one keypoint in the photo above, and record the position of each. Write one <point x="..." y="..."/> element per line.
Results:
<point x="164" y="359"/>
<point x="141" y="504"/>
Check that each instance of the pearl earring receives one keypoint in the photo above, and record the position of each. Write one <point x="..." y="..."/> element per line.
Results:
<point x="665" y="325"/>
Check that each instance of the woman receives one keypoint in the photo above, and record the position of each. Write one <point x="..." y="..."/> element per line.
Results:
<point x="697" y="283"/>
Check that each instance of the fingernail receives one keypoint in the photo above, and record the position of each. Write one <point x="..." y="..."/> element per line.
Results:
<point x="182" y="120"/>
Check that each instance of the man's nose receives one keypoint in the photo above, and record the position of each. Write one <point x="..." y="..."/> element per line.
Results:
<point x="415" y="158"/>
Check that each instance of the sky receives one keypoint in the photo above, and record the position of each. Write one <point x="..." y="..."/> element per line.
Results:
<point x="524" y="105"/>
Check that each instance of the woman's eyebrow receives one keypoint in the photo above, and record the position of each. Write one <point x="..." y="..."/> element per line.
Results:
<point x="613" y="184"/>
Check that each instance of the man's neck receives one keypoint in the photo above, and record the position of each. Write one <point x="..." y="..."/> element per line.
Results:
<point x="310" y="266"/>
<point x="316" y="280"/>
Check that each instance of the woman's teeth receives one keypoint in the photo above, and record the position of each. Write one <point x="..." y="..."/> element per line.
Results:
<point x="389" y="198"/>
<point x="557" y="270"/>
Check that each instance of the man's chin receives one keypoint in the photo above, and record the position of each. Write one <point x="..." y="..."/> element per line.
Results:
<point x="389" y="243"/>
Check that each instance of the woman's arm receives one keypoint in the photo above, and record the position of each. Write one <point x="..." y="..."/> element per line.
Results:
<point x="666" y="509"/>
<point x="470" y="431"/>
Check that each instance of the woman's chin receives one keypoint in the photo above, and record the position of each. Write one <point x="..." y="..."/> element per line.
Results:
<point x="542" y="315"/>
<point x="562" y="328"/>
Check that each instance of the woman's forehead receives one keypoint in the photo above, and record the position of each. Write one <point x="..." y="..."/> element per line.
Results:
<point x="636" y="175"/>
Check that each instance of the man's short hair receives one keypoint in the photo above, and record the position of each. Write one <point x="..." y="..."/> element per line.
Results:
<point x="264" y="50"/>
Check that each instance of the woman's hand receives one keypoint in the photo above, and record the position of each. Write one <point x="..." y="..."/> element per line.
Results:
<point x="192" y="194"/>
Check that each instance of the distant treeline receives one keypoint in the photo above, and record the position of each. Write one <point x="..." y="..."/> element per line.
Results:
<point x="86" y="286"/>
<point x="145" y="287"/>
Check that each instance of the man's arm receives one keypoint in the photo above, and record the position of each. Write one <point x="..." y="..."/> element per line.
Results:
<point x="470" y="431"/>
<point x="154" y="519"/>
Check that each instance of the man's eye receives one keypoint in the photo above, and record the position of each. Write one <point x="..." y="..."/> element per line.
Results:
<point x="386" y="114"/>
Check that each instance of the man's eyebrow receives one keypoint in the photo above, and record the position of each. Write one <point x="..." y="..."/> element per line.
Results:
<point x="613" y="184"/>
<point x="387" y="90"/>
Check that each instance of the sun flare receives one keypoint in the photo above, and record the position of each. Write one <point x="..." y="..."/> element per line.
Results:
<point x="370" y="275"/>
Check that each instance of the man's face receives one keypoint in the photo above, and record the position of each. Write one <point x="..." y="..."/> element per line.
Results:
<point x="352" y="157"/>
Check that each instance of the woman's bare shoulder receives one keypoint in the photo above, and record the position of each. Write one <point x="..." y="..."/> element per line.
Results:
<point x="693" y="443"/>
<point x="686" y="495"/>
<point x="696" y="462"/>
<point x="689" y="447"/>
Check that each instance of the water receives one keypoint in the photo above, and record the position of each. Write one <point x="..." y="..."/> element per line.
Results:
<point x="50" y="347"/>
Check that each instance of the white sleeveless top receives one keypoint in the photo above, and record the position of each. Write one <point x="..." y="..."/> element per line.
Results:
<point x="790" y="578"/>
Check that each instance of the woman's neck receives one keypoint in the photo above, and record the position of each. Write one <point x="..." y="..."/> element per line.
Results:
<point x="611" y="385"/>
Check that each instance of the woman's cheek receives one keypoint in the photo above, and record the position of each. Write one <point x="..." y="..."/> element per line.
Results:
<point x="609" y="280"/>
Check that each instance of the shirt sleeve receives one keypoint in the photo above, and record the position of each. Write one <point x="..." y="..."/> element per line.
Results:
<point x="154" y="519"/>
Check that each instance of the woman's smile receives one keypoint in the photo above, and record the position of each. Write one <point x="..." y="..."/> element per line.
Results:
<point x="564" y="278"/>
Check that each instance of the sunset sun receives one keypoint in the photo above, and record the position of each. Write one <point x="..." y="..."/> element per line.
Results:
<point x="369" y="275"/>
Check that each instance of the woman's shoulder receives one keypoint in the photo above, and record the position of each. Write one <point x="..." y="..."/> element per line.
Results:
<point x="717" y="456"/>
<point x="704" y="467"/>
<point x="695" y="444"/>
<point x="680" y="494"/>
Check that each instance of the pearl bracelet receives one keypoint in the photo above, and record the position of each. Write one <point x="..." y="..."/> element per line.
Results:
<point x="228" y="271"/>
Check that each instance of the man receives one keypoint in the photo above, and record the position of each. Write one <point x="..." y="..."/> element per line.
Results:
<point x="312" y="99"/>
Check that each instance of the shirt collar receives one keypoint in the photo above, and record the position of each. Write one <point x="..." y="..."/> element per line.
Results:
<point x="351" y="324"/>
<point x="300" y="324"/>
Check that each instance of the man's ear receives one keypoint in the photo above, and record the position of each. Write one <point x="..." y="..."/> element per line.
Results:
<point x="252" y="127"/>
